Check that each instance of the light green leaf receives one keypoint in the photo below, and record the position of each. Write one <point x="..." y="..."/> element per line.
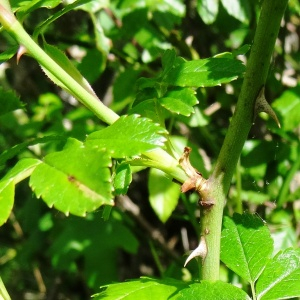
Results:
<point x="144" y="288"/>
<point x="246" y="245"/>
<point x="204" y="72"/>
<point x="7" y="194"/>
<point x="208" y="10"/>
<point x="75" y="180"/>
<point x="239" y="9"/>
<point x="287" y="107"/>
<point x="9" y="101"/>
<point x="212" y="291"/>
<point x="281" y="277"/>
<point x="122" y="179"/>
<point x="20" y="171"/>
<point x="179" y="101"/>
<point x="163" y="194"/>
<point x="128" y="136"/>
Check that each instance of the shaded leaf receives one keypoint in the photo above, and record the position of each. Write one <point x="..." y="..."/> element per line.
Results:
<point x="15" y="150"/>
<point x="212" y="290"/>
<point x="204" y="72"/>
<point x="8" y="54"/>
<point x="143" y="288"/>
<point x="9" y="101"/>
<point x="122" y="179"/>
<point x="281" y="277"/>
<point x="96" y="243"/>
<point x="128" y="136"/>
<point x="208" y="10"/>
<point x="163" y="194"/>
<point x="246" y="245"/>
<point x="75" y="180"/>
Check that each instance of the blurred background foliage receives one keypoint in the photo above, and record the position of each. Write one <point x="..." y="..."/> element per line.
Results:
<point x="46" y="255"/>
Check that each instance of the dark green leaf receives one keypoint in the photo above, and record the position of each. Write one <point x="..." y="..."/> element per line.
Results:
<point x="75" y="180"/>
<point x="8" y="54"/>
<point x="96" y="243"/>
<point x="9" y="101"/>
<point x="212" y="291"/>
<point x="15" y="150"/>
<point x="144" y="288"/>
<point x="122" y="179"/>
<point x="281" y="277"/>
<point x="128" y="136"/>
<point x="163" y="194"/>
<point x="246" y="245"/>
<point x="204" y="72"/>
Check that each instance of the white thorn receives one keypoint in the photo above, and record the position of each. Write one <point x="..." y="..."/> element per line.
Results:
<point x="200" y="251"/>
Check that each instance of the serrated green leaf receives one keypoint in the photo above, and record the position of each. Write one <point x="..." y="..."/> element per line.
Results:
<point x="239" y="9"/>
<point x="246" y="245"/>
<point x="122" y="179"/>
<point x="208" y="10"/>
<point x="128" y="136"/>
<point x="61" y="59"/>
<point x="281" y="277"/>
<point x="7" y="194"/>
<point x="163" y="194"/>
<point x="143" y="288"/>
<point x="75" y="180"/>
<point x="204" y="72"/>
<point x="209" y="290"/>
<point x="9" y="101"/>
<point x="179" y="101"/>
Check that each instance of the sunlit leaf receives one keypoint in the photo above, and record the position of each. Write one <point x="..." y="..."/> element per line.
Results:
<point x="281" y="277"/>
<point x="144" y="288"/>
<point x="163" y="194"/>
<point x="208" y="10"/>
<point x="239" y="9"/>
<point x="128" y="136"/>
<point x="246" y="245"/>
<point x="75" y="180"/>
<point x="212" y="291"/>
<point x="7" y="194"/>
<point x="205" y="72"/>
<point x="179" y="101"/>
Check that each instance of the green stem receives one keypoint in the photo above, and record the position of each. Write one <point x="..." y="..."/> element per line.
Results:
<point x="161" y="159"/>
<point x="219" y="182"/>
<point x="11" y="24"/>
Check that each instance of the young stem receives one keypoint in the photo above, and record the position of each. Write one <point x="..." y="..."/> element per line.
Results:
<point x="219" y="182"/>
<point x="161" y="159"/>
